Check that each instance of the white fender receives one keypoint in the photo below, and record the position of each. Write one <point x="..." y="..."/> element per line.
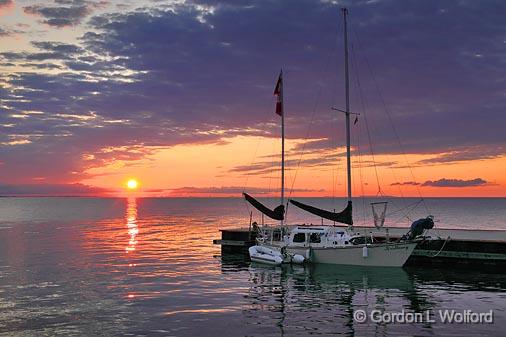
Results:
<point x="365" y="252"/>
<point x="299" y="259"/>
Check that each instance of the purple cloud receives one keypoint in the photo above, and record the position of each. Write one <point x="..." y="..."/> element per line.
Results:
<point x="51" y="189"/>
<point x="4" y="3"/>
<point x="188" y="74"/>
<point x="4" y="32"/>
<point x="65" y="13"/>
<point x="472" y="153"/>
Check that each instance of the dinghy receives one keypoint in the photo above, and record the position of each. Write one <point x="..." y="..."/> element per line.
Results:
<point x="272" y="256"/>
<point x="265" y="255"/>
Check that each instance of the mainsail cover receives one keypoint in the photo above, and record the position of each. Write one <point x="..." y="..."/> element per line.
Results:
<point x="343" y="217"/>
<point x="277" y="214"/>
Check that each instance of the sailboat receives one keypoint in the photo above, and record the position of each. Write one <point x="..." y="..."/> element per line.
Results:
<point x="326" y="244"/>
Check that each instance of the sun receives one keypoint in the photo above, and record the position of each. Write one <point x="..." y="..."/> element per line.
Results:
<point x="132" y="184"/>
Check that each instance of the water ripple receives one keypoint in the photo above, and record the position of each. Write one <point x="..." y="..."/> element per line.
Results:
<point x="148" y="267"/>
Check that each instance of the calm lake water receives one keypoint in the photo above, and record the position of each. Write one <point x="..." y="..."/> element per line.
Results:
<point x="104" y="267"/>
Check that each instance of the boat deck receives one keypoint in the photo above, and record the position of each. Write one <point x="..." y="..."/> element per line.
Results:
<point x="454" y="234"/>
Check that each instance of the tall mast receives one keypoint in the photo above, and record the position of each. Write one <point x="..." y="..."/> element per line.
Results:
<point x="278" y="91"/>
<point x="347" y="112"/>
<point x="282" y="145"/>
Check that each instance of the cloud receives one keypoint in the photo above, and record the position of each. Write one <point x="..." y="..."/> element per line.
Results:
<point x="225" y="190"/>
<point x="5" y="4"/>
<point x="8" y="31"/>
<point x="265" y="167"/>
<point x="204" y="71"/>
<point x="466" y="154"/>
<point x="52" y="190"/>
<point x="4" y="32"/>
<point x="413" y="183"/>
<point x="49" y="51"/>
<point x="71" y="14"/>
<point x="59" y="16"/>
<point x="40" y="65"/>
<point x="456" y="183"/>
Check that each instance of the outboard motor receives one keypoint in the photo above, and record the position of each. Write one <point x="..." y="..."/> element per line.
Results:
<point x="419" y="226"/>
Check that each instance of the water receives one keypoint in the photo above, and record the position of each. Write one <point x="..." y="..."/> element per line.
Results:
<point x="76" y="266"/>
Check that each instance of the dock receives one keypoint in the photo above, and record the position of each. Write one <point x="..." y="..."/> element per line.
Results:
<point x="444" y="247"/>
<point x="236" y="240"/>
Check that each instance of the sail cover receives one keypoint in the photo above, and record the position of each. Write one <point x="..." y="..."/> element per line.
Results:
<point x="344" y="217"/>
<point x="277" y="214"/>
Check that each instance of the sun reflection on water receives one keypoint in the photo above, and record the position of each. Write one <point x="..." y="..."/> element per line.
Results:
<point x="131" y="219"/>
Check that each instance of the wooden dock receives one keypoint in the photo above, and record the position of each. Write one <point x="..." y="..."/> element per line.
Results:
<point x="446" y="247"/>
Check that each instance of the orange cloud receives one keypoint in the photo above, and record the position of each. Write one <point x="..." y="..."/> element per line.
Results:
<point x="212" y="170"/>
<point x="6" y="7"/>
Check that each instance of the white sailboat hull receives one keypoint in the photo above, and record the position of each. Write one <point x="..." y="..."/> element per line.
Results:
<point x="378" y="255"/>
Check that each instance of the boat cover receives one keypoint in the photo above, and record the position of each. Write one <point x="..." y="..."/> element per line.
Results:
<point x="277" y="214"/>
<point x="418" y="226"/>
<point x="343" y="217"/>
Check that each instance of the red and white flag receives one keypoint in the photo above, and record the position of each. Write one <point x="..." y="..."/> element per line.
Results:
<point x="278" y="91"/>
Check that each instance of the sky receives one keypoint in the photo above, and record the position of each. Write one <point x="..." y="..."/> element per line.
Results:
<point x="179" y="95"/>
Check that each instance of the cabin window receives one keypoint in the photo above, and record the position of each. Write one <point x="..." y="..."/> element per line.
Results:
<point x="276" y="235"/>
<point x="315" y="238"/>
<point x="299" y="237"/>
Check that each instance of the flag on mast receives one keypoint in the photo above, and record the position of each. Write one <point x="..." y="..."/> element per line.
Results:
<point x="278" y="91"/>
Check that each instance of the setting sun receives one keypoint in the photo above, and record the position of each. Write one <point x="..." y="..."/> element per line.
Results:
<point x="132" y="184"/>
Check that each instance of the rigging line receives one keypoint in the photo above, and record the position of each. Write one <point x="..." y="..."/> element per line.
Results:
<point x="303" y="151"/>
<point x="253" y="158"/>
<point x="412" y="205"/>
<point x="333" y="187"/>
<point x="271" y="171"/>
<point x="333" y="135"/>
<point x="411" y="208"/>
<point x="333" y="145"/>
<point x="357" y="138"/>
<point x="364" y="109"/>
<point x="364" y="105"/>
<point x="313" y="114"/>
<point x="390" y="120"/>
<point x="252" y="161"/>
<point x="374" y="162"/>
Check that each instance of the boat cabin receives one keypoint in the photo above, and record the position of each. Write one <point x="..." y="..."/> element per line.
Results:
<point x="318" y="236"/>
